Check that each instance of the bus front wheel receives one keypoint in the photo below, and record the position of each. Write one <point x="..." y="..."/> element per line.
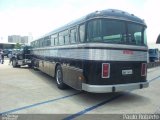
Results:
<point x="59" y="78"/>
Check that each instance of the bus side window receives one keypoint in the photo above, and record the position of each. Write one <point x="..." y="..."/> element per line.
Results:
<point x="73" y="36"/>
<point x="61" y="40"/>
<point x="82" y="33"/>
<point x="38" y="43"/>
<point x="62" y="37"/>
<point x="66" y="37"/>
<point x="43" y="43"/>
<point x="54" y="40"/>
<point x="48" y="42"/>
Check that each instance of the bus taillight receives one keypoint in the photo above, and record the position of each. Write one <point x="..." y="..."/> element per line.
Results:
<point x="143" y="69"/>
<point x="105" y="70"/>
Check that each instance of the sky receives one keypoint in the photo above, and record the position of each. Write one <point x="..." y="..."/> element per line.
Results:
<point x="38" y="17"/>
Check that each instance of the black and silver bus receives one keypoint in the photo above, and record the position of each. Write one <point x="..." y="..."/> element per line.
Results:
<point x="105" y="51"/>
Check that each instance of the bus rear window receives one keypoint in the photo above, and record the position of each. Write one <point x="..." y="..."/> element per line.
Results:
<point x="109" y="31"/>
<point x="115" y="31"/>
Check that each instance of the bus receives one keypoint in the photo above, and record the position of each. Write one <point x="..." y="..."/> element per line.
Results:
<point x="154" y="55"/>
<point x="104" y="51"/>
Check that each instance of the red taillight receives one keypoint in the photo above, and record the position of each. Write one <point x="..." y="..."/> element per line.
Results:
<point x="143" y="69"/>
<point x="105" y="70"/>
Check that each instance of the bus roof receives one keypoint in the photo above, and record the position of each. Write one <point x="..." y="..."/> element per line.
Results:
<point x="109" y="13"/>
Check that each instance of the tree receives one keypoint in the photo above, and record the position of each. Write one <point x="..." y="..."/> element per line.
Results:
<point x="17" y="46"/>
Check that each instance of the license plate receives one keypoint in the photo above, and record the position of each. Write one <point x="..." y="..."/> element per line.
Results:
<point x="127" y="72"/>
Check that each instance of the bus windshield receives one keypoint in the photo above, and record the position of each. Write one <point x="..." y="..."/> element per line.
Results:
<point x="115" y="31"/>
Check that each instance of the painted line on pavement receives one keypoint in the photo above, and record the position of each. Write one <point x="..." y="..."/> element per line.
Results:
<point x="40" y="103"/>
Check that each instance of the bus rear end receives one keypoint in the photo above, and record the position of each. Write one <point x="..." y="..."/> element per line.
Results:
<point x="117" y="56"/>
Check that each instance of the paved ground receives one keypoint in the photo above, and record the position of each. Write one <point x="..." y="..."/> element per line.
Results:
<point x="26" y="91"/>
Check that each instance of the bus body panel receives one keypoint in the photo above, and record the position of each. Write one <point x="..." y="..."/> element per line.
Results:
<point x="116" y="76"/>
<point x="86" y="63"/>
<point x="72" y="77"/>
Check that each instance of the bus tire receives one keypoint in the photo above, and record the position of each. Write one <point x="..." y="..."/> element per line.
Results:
<point x="59" y="78"/>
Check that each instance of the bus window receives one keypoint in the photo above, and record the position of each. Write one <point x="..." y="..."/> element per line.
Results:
<point x="52" y="40"/>
<point x="73" y="36"/>
<point x="37" y="44"/>
<point x="145" y="37"/>
<point x="53" y="37"/>
<point x="109" y="31"/>
<point x="93" y="31"/>
<point x="137" y="37"/>
<point x="56" y="42"/>
<point x="40" y="42"/>
<point x="136" y="33"/>
<point x="48" y="42"/>
<point x="66" y="39"/>
<point x="82" y="33"/>
<point x="115" y="31"/>
<point x="61" y="40"/>
<point x="43" y="42"/>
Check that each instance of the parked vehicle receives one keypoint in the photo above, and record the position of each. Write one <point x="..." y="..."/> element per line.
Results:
<point x="6" y="52"/>
<point x="22" y="57"/>
<point x="154" y="55"/>
<point x="105" y="51"/>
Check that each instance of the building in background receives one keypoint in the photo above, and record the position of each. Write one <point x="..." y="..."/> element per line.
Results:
<point x="30" y="37"/>
<point x="18" y="39"/>
<point x="24" y="40"/>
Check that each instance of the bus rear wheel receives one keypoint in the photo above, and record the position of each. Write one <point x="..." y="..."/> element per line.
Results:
<point x="59" y="78"/>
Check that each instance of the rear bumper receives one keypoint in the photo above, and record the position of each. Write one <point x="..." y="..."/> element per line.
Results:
<point x="113" y="88"/>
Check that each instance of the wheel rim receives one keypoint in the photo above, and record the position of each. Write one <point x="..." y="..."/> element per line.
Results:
<point x="59" y="76"/>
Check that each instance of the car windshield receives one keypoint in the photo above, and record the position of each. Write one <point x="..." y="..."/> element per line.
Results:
<point x="115" y="31"/>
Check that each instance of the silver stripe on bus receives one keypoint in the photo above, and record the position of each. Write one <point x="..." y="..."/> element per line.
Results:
<point x="93" y="54"/>
<point x="98" y="45"/>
